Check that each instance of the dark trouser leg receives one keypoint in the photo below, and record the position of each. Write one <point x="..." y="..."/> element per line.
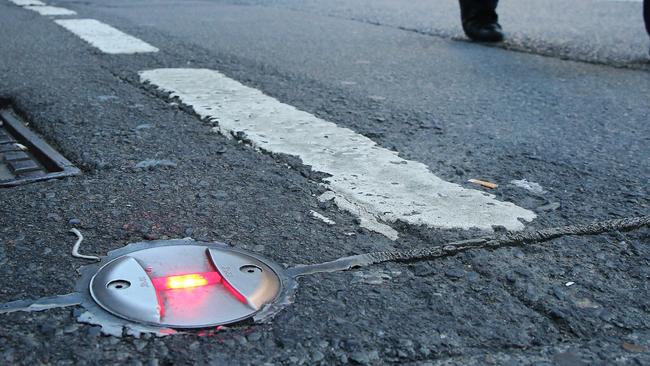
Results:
<point x="646" y="15"/>
<point x="480" y="20"/>
<point x="483" y="9"/>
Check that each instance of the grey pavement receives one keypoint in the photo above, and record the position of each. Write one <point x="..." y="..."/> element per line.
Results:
<point x="570" y="112"/>
<point x="597" y="31"/>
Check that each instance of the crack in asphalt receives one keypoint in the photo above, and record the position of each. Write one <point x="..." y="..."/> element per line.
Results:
<point x="561" y="325"/>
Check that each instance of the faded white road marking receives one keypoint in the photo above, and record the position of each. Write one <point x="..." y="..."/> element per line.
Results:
<point x="105" y="37"/>
<point x="322" y="218"/>
<point x="367" y="219"/>
<point x="51" y="10"/>
<point x="364" y="178"/>
<point x="27" y="2"/>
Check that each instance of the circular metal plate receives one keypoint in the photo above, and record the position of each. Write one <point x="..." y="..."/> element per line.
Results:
<point x="186" y="286"/>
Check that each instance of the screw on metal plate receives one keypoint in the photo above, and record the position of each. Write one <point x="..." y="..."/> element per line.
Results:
<point x="118" y="285"/>
<point x="250" y="269"/>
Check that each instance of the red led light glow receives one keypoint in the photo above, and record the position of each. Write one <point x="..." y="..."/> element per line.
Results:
<point x="178" y="291"/>
<point x="191" y="280"/>
<point x="186" y="281"/>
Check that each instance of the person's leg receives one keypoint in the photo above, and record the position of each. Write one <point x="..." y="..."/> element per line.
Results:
<point x="480" y="20"/>
<point x="646" y="15"/>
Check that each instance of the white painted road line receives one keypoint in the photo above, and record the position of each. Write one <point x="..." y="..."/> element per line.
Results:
<point x="365" y="179"/>
<point x="27" y="2"/>
<point x="105" y="37"/>
<point x="51" y="10"/>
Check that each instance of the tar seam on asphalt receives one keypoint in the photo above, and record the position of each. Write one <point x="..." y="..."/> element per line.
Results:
<point x="117" y="328"/>
<point x="506" y="240"/>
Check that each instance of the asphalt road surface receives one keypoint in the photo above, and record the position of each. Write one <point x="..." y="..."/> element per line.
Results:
<point x="309" y="130"/>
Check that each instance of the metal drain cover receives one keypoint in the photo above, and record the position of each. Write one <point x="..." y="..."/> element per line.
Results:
<point x="186" y="286"/>
<point x="24" y="157"/>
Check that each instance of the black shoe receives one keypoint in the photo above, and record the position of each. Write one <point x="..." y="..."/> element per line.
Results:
<point x="480" y="20"/>
<point x="490" y="32"/>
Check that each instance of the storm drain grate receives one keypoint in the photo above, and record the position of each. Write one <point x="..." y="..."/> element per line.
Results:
<point x="24" y="157"/>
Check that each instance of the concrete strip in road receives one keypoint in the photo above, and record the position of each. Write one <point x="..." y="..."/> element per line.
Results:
<point x="50" y="10"/>
<point x="365" y="179"/>
<point x="105" y="37"/>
